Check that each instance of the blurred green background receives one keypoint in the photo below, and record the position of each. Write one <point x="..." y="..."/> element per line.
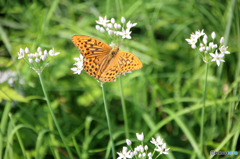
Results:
<point x="163" y="98"/>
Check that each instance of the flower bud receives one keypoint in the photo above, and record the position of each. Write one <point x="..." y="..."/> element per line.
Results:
<point x="30" y="60"/>
<point x="113" y="20"/>
<point x="102" y="30"/>
<point x="37" y="60"/>
<point x="222" y="40"/>
<point x="128" y="142"/>
<point x="97" y="27"/>
<point x="213" y="35"/>
<point x="123" y="20"/>
<point x="26" y="50"/>
<point x="38" y="49"/>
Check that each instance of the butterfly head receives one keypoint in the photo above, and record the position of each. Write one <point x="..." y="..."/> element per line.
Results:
<point x="114" y="51"/>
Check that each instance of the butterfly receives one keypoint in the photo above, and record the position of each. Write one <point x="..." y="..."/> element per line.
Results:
<point x="102" y="61"/>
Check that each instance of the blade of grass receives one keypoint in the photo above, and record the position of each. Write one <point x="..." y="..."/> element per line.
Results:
<point x="124" y="109"/>
<point x="3" y="126"/>
<point x="18" y="137"/>
<point x="39" y="142"/>
<point x="76" y="147"/>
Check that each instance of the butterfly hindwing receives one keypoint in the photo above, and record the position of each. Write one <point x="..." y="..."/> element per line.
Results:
<point x="127" y="62"/>
<point x="122" y="63"/>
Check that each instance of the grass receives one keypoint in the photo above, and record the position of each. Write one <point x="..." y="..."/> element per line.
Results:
<point x="163" y="98"/>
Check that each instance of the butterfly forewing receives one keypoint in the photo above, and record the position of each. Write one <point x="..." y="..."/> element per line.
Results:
<point x="93" y="51"/>
<point x="90" y="47"/>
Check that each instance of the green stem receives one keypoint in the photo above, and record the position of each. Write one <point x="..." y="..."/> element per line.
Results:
<point x="109" y="125"/>
<point x="124" y="109"/>
<point x="51" y="127"/>
<point x="54" y="118"/>
<point x="203" y="110"/>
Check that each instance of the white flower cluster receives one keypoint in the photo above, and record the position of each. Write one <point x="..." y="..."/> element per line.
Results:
<point x="209" y="51"/>
<point x="114" y="28"/>
<point x="10" y="77"/>
<point x="78" y="64"/>
<point x="37" y="61"/>
<point x="141" y="151"/>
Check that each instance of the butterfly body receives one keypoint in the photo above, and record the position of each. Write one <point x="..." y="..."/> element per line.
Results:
<point x="102" y="61"/>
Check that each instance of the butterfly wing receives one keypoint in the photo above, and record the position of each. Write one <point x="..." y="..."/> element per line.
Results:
<point x="90" y="47"/>
<point x="122" y="63"/>
<point x="93" y="51"/>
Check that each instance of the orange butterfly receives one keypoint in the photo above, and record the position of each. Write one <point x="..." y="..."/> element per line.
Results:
<point x="102" y="61"/>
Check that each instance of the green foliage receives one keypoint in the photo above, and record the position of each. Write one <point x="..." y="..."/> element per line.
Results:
<point x="163" y="98"/>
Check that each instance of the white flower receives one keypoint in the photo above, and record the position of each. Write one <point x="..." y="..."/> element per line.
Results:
<point x="146" y="147"/>
<point x="126" y="33"/>
<point x="77" y="70"/>
<point x="213" y="35"/>
<point x="112" y="20"/>
<point x="193" y="46"/>
<point x="43" y="57"/>
<point x="102" y="30"/>
<point x="164" y="149"/>
<point x="157" y="142"/>
<point x="30" y="55"/>
<point x="192" y="40"/>
<point x="140" y="137"/>
<point x="207" y="48"/>
<point x="37" y="60"/>
<point x="102" y="21"/>
<point x="21" y="53"/>
<point x="128" y="142"/>
<point x="205" y="39"/>
<point x="124" y="154"/>
<point x="159" y="149"/>
<point x="119" y="26"/>
<point x="115" y="26"/>
<point x="140" y="155"/>
<point x="199" y="33"/>
<point x="97" y="27"/>
<point x="201" y="49"/>
<point x="143" y="154"/>
<point x="123" y="20"/>
<point x="217" y="57"/>
<point x="222" y="40"/>
<point x="51" y="53"/>
<point x="149" y="154"/>
<point x="130" y="25"/>
<point x="26" y="50"/>
<point x="214" y="46"/>
<point x="38" y="49"/>
<point x="112" y="44"/>
<point x="110" y="25"/>
<point x="30" y="60"/>
<point x="210" y="44"/>
<point x="110" y="32"/>
<point x="45" y="53"/>
<point x="223" y="50"/>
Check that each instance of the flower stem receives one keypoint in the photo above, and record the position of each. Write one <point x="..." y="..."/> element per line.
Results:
<point x="54" y="118"/>
<point x="124" y="109"/>
<point x="109" y="125"/>
<point x="203" y="110"/>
